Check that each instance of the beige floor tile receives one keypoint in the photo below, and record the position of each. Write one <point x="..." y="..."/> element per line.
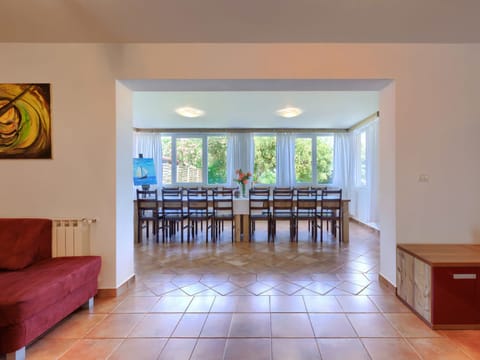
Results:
<point x="190" y="325"/>
<point x="91" y="349"/>
<point x="136" y="304"/>
<point x="468" y="340"/>
<point x="372" y="325"/>
<point x="353" y="304"/>
<point x="172" y="304"/>
<point x="438" y="348"/>
<point x="156" y="325"/>
<point x="178" y="349"/>
<point x="201" y="304"/>
<point x="386" y="349"/>
<point x="76" y="326"/>
<point x="322" y="304"/>
<point x="115" y="326"/>
<point x="287" y="304"/>
<point x="295" y="349"/>
<point x="409" y="325"/>
<point x="336" y="349"/>
<point x="211" y="349"/>
<point x="291" y="325"/>
<point x="48" y="348"/>
<point x="389" y="304"/>
<point x="332" y="326"/>
<point x="242" y="349"/>
<point x="139" y="349"/>
<point x="217" y="325"/>
<point x="250" y="325"/>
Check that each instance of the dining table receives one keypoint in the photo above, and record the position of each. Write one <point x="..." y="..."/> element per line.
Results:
<point x="242" y="220"/>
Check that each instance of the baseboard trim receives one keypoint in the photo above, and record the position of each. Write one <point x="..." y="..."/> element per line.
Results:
<point x="385" y="282"/>
<point x="369" y="227"/>
<point x="102" y="293"/>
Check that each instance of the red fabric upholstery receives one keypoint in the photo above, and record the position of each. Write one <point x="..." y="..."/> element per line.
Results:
<point x="39" y="286"/>
<point x="41" y="291"/>
<point x="24" y="241"/>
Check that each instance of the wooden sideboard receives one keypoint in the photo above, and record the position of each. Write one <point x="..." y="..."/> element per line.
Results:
<point x="441" y="283"/>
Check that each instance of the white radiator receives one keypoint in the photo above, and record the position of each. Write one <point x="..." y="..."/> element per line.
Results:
<point x="71" y="237"/>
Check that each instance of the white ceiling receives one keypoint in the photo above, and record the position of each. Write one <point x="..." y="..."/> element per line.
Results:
<point x="327" y="104"/>
<point x="123" y="21"/>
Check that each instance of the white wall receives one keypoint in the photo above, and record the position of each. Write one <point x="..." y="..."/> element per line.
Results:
<point x="434" y="130"/>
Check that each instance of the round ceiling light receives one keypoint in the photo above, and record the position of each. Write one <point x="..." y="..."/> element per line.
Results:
<point x="190" y="112"/>
<point x="289" y="112"/>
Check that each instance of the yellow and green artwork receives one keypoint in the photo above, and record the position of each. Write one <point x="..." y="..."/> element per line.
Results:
<point x="25" y="123"/>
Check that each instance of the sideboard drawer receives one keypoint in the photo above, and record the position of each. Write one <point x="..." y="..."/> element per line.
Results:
<point x="456" y="294"/>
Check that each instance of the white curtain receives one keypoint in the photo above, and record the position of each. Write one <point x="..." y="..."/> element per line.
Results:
<point x="364" y="194"/>
<point x="342" y="163"/>
<point x="240" y="155"/>
<point x="372" y="170"/>
<point x="285" y="159"/>
<point x="150" y="146"/>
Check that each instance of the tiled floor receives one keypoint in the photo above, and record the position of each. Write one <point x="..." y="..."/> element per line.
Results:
<point x="254" y="301"/>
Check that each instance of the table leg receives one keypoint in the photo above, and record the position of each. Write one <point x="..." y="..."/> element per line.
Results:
<point x="345" y="222"/>
<point x="238" y="228"/>
<point x="245" y="227"/>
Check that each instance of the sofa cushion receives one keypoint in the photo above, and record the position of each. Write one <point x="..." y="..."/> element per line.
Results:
<point x="41" y="285"/>
<point x="24" y="241"/>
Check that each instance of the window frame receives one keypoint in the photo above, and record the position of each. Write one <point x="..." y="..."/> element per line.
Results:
<point x="187" y="135"/>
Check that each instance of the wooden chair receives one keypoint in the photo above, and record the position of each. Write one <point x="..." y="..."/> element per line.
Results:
<point x="147" y="212"/>
<point x="173" y="213"/>
<point x="197" y="212"/>
<point x="222" y="211"/>
<point x="331" y="212"/>
<point x="259" y="209"/>
<point x="282" y="210"/>
<point x="306" y="210"/>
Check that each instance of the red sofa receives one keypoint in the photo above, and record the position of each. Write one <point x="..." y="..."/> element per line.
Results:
<point x="37" y="291"/>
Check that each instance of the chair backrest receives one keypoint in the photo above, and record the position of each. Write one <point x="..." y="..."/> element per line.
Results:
<point x="197" y="200"/>
<point x="331" y="200"/>
<point x="223" y="202"/>
<point x="282" y="199"/>
<point x="306" y="199"/>
<point x="147" y="202"/>
<point x="259" y="201"/>
<point x="172" y="199"/>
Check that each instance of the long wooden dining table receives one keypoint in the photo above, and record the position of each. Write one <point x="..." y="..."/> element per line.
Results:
<point x="242" y="220"/>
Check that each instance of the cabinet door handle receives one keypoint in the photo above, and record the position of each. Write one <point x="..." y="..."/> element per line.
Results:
<point x="464" y="276"/>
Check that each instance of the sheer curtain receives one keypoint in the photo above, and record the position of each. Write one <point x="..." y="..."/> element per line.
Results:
<point x="364" y="199"/>
<point x="372" y="170"/>
<point x="150" y="145"/>
<point x="285" y="159"/>
<point x="240" y="154"/>
<point x="342" y="163"/>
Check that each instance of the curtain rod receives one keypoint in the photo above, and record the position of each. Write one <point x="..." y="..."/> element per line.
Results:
<point x="236" y="130"/>
<point x="364" y="121"/>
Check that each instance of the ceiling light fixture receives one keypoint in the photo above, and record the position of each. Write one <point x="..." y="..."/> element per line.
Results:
<point x="190" y="112"/>
<point x="289" y="112"/>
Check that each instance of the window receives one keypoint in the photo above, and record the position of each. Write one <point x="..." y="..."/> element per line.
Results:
<point x="217" y="159"/>
<point x="265" y="159"/>
<point x="303" y="160"/>
<point x="324" y="159"/>
<point x="189" y="160"/>
<point x="183" y="159"/>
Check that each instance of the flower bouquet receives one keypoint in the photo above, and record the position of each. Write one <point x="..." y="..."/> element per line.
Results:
<point x="242" y="178"/>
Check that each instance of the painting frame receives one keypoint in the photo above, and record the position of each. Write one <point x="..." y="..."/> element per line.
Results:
<point x="25" y="121"/>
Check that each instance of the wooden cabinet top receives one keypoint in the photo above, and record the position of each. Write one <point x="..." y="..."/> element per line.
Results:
<point x="445" y="254"/>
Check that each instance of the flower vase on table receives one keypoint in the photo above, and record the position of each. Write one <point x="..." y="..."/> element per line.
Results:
<point x="243" y="190"/>
<point x="242" y="179"/>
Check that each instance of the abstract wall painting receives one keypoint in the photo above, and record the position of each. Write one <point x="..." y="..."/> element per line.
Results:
<point x="25" y="121"/>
